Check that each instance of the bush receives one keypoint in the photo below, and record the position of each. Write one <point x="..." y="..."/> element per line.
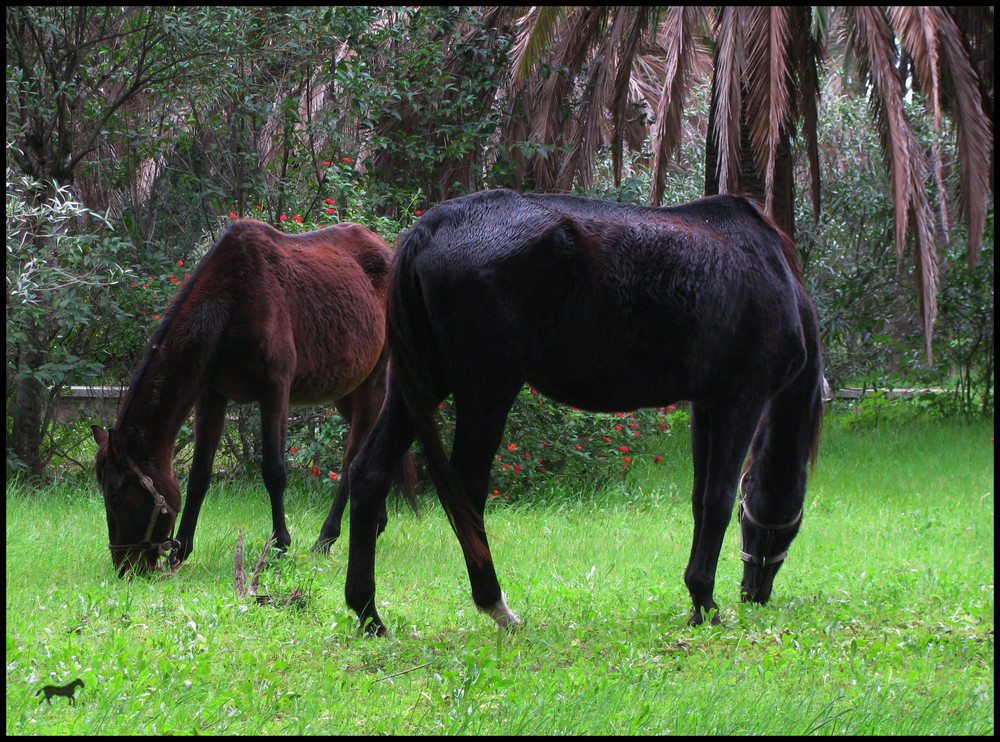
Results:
<point x="546" y="441"/>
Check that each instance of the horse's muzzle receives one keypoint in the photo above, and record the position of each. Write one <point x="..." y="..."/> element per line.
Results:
<point x="758" y="581"/>
<point x="144" y="561"/>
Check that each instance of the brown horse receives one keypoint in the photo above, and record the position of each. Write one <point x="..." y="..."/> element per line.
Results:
<point x="267" y="317"/>
<point x="606" y="307"/>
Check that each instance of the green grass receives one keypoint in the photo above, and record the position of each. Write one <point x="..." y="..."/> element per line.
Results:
<point x="881" y="622"/>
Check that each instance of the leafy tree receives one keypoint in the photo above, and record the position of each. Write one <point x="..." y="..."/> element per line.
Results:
<point x="71" y="71"/>
<point x="584" y="67"/>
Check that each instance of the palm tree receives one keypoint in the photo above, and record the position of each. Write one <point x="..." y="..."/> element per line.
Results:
<point x="607" y="63"/>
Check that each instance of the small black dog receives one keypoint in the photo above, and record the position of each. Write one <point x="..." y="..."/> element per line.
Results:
<point x="60" y="690"/>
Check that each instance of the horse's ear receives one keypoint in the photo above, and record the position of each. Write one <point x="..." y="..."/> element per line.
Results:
<point x="99" y="434"/>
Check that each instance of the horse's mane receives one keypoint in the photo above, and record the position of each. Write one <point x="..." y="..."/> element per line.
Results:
<point x="164" y="327"/>
<point x="787" y="246"/>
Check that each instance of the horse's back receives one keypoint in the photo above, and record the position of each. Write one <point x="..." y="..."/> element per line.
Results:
<point x="610" y="306"/>
<point x="309" y="305"/>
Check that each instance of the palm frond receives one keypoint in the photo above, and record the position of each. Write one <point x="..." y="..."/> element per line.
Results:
<point x="915" y="26"/>
<point x="876" y="55"/>
<point x="677" y="33"/>
<point x="973" y="130"/>
<point x="634" y="22"/>
<point x="809" y="31"/>
<point x="769" y="110"/>
<point x="536" y="30"/>
<point x="729" y="73"/>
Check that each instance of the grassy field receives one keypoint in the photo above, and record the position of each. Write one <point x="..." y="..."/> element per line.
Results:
<point x="881" y="622"/>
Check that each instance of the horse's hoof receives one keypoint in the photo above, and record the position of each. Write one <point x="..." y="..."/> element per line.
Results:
<point x="373" y="627"/>
<point x="322" y="546"/>
<point x="699" y="615"/>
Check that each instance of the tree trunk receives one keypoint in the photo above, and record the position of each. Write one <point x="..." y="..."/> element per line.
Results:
<point x="28" y="405"/>
<point x="750" y="179"/>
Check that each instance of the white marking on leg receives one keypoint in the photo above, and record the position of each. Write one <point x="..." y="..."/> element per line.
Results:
<point x="503" y="615"/>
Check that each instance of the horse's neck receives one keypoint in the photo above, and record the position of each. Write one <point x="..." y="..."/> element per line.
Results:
<point x="782" y="446"/>
<point x="159" y="404"/>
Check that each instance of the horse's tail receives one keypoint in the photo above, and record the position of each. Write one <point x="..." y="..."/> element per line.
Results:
<point x="416" y="375"/>
<point x="405" y="480"/>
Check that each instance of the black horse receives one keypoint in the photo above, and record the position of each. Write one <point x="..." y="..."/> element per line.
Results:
<point x="605" y="307"/>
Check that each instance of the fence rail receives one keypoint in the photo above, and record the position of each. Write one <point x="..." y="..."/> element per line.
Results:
<point x="102" y="401"/>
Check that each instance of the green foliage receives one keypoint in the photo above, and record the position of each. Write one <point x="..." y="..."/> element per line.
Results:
<point x="548" y="445"/>
<point x="63" y="274"/>
<point x="862" y="292"/>
<point x="965" y="327"/>
<point x="303" y="116"/>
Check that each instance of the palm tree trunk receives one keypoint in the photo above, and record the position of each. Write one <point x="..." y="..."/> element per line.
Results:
<point x="750" y="178"/>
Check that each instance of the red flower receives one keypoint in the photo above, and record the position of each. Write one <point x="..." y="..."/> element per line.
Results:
<point x="232" y="215"/>
<point x="180" y="262"/>
<point x="283" y="218"/>
<point x="315" y="471"/>
<point x="418" y="213"/>
<point x="296" y="218"/>
<point x="623" y="449"/>
<point x="517" y="469"/>
<point x="333" y="476"/>
<point x="511" y="447"/>
<point x="657" y="459"/>
<point x="330" y="201"/>
<point x="326" y="163"/>
<point x="294" y="449"/>
<point x="347" y="160"/>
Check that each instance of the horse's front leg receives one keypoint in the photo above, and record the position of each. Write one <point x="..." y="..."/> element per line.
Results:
<point x="720" y="440"/>
<point x="479" y="425"/>
<point x="273" y="467"/>
<point x="209" y="420"/>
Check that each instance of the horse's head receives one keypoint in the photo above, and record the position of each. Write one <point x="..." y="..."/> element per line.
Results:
<point x="141" y="507"/>
<point x="765" y="535"/>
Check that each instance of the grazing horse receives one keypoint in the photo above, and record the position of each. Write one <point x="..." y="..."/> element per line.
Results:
<point x="267" y="317"/>
<point x="602" y="306"/>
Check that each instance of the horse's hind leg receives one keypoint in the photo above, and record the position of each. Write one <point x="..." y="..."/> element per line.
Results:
<point x="359" y="408"/>
<point x="368" y="480"/>
<point x="209" y="420"/>
<point x="720" y="439"/>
